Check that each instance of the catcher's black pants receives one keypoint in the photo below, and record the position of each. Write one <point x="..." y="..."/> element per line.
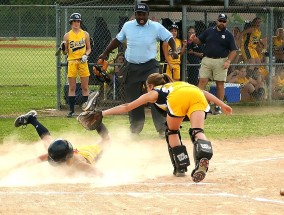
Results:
<point x="136" y="76"/>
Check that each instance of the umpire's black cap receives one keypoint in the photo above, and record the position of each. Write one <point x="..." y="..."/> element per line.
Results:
<point x="142" y="7"/>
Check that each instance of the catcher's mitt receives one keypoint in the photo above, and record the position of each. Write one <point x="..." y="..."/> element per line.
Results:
<point x="90" y="120"/>
<point x="100" y="71"/>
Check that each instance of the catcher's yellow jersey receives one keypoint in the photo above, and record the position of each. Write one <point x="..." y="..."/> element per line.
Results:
<point x="89" y="152"/>
<point x="178" y="48"/>
<point x="76" y="44"/>
<point x="251" y="39"/>
<point x="180" y="99"/>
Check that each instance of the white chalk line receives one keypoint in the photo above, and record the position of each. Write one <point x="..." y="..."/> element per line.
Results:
<point x="254" y="161"/>
<point x="147" y="194"/>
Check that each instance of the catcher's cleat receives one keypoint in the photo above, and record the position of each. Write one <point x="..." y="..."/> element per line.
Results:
<point x="23" y="120"/>
<point x="70" y="114"/>
<point x="92" y="101"/>
<point x="199" y="173"/>
<point x="179" y="172"/>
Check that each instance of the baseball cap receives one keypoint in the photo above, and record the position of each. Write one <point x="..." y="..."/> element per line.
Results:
<point x="222" y="16"/>
<point x="142" y="7"/>
<point x="173" y="26"/>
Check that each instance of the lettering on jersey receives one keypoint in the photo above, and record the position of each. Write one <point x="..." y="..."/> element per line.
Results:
<point x="77" y="45"/>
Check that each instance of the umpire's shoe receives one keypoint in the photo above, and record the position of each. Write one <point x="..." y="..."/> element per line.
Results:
<point x="199" y="173"/>
<point x="92" y="102"/>
<point x="23" y="120"/>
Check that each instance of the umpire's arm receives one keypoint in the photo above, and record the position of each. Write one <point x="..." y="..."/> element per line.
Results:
<point x="112" y="45"/>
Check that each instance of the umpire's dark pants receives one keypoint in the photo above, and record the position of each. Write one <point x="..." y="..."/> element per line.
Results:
<point x="136" y="76"/>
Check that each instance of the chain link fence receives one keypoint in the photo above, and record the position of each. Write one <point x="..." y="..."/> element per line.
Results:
<point x="33" y="78"/>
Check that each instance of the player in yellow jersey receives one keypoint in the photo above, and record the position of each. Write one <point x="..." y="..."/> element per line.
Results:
<point x="178" y="100"/>
<point x="173" y="65"/>
<point x="61" y="151"/>
<point x="250" y="89"/>
<point x="278" y="47"/>
<point x="251" y="36"/>
<point x="278" y="85"/>
<point x="78" y="48"/>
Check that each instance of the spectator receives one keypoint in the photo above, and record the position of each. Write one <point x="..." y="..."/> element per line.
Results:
<point x="250" y="88"/>
<point x="78" y="48"/>
<point x="278" y="46"/>
<point x="278" y="85"/>
<point x="219" y="51"/>
<point x="173" y="65"/>
<point x="262" y="53"/>
<point x="141" y="35"/>
<point x="250" y="38"/>
<point x="194" y="56"/>
<point x="238" y="40"/>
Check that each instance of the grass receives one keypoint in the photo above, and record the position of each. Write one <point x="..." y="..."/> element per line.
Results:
<point x="241" y="125"/>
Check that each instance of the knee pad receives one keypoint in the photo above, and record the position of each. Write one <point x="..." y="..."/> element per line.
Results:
<point x="193" y="131"/>
<point x="202" y="149"/>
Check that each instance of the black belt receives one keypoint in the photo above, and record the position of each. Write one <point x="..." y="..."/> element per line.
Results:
<point x="215" y="57"/>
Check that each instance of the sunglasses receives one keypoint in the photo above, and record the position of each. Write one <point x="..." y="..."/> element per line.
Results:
<point x="223" y="21"/>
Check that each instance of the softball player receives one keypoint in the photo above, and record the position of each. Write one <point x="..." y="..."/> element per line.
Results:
<point x="61" y="151"/>
<point x="178" y="100"/>
<point x="78" y="49"/>
<point x="173" y="67"/>
<point x="250" y="39"/>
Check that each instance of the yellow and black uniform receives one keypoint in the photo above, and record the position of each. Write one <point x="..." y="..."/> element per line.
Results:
<point x="277" y="42"/>
<point x="76" y="49"/>
<point x="175" y="73"/>
<point x="180" y="99"/>
<point x="249" y="44"/>
<point x="242" y="81"/>
<point x="90" y="152"/>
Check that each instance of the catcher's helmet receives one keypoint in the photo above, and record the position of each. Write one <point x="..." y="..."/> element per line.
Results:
<point x="59" y="151"/>
<point x="75" y="17"/>
<point x="173" y="26"/>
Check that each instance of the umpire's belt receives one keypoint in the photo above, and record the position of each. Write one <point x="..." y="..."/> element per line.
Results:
<point x="215" y="57"/>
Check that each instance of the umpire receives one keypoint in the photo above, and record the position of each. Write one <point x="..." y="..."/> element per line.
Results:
<point x="141" y="35"/>
<point x="219" y="51"/>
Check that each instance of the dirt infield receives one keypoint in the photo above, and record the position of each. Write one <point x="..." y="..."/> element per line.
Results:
<point x="244" y="177"/>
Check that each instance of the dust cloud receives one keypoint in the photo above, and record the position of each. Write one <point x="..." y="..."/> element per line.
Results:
<point x="124" y="160"/>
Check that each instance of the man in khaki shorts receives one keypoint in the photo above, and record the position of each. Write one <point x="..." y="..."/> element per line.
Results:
<point x="219" y="51"/>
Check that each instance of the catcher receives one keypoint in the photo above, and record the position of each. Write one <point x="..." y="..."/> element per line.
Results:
<point x="61" y="151"/>
<point x="177" y="100"/>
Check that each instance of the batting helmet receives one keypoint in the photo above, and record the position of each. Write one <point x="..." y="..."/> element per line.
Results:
<point x="173" y="26"/>
<point x="75" y="17"/>
<point x="59" y="151"/>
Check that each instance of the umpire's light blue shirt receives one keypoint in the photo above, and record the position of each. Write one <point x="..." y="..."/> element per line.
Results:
<point x="142" y="40"/>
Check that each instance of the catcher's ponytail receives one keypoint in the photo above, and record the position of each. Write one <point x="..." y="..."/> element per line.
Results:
<point x="157" y="79"/>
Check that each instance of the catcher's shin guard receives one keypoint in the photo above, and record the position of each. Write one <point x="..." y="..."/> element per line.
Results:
<point x="202" y="153"/>
<point x="178" y="155"/>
